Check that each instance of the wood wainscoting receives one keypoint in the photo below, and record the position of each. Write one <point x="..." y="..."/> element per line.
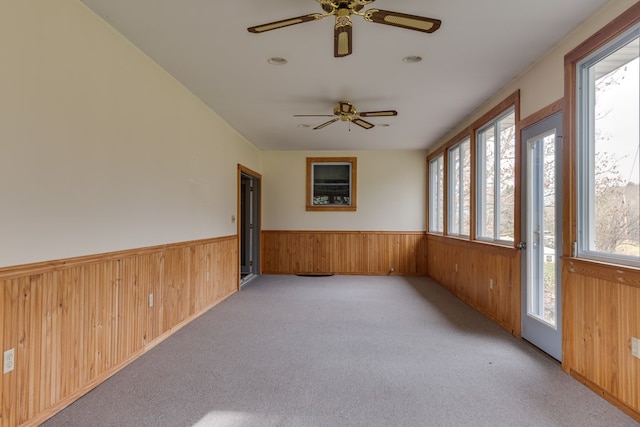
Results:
<point x="73" y="323"/>
<point x="487" y="277"/>
<point x="601" y="305"/>
<point x="344" y="252"/>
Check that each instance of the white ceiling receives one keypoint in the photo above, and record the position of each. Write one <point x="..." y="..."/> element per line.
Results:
<point x="480" y="47"/>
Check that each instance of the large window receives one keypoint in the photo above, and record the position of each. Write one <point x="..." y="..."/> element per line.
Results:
<point x="459" y="189"/>
<point x="495" y="206"/>
<point x="608" y="143"/>
<point x="331" y="183"/>
<point x="436" y="194"/>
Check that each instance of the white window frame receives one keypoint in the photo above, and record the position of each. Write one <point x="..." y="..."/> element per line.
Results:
<point x="481" y="195"/>
<point x="436" y="194"/>
<point x="456" y="181"/>
<point x="585" y="153"/>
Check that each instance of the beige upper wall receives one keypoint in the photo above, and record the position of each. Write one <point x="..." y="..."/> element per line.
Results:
<point x="543" y="83"/>
<point x="391" y="192"/>
<point x="101" y="149"/>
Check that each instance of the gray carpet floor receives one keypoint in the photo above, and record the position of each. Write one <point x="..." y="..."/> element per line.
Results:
<point x="341" y="351"/>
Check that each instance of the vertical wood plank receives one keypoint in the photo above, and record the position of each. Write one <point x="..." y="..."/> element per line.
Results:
<point x="34" y="387"/>
<point x="2" y="348"/>
<point x="24" y="349"/>
<point x="10" y="380"/>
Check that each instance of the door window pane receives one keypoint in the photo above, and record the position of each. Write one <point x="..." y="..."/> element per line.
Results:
<point x="542" y="248"/>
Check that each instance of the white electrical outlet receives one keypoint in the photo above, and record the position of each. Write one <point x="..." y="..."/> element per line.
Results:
<point x="9" y="361"/>
<point x="635" y="347"/>
<point x="150" y="300"/>
<point x="490" y="283"/>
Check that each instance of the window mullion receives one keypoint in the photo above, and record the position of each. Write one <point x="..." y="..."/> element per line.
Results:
<point x="496" y="183"/>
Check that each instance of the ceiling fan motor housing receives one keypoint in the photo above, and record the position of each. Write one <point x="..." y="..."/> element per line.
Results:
<point x="350" y="5"/>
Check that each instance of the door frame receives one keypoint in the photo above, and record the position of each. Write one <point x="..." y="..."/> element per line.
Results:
<point x="256" y="219"/>
<point x="533" y="333"/>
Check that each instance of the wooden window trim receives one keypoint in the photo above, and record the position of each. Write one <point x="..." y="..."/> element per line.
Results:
<point x="354" y="177"/>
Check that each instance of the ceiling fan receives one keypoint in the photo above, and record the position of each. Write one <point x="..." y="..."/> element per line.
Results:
<point x="347" y="113"/>
<point x="342" y="10"/>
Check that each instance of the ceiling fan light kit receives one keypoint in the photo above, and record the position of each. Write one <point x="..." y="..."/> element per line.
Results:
<point x="342" y="10"/>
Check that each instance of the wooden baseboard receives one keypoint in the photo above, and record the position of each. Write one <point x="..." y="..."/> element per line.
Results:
<point x="607" y="396"/>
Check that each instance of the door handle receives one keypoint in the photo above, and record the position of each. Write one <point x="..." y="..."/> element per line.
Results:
<point x="522" y="245"/>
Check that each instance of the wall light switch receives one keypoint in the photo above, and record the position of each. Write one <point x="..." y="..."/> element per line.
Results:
<point x="150" y="300"/>
<point x="635" y="347"/>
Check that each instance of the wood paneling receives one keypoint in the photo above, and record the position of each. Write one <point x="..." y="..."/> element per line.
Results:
<point x="73" y="323"/>
<point x="602" y="315"/>
<point x="343" y="252"/>
<point x="485" y="276"/>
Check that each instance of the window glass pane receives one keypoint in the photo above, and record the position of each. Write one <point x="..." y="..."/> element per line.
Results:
<point x="459" y="189"/>
<point x="496" y="179"/>
<point x="609" y="144"/>
<point x="465" y="217"/>
<point x="486" y="179"/>
<point x="506" y="187"/>
<point x="436" y="194"/>
<point x="454" y="190"/>
<point x="331" y="184"/>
